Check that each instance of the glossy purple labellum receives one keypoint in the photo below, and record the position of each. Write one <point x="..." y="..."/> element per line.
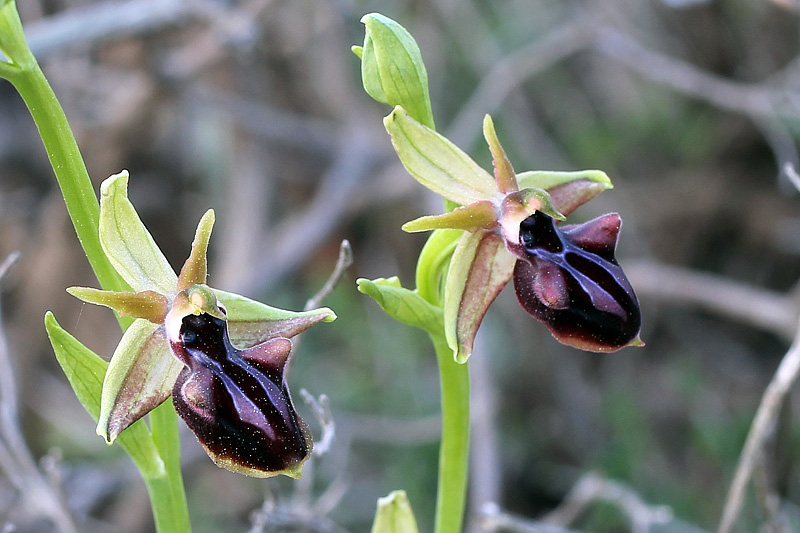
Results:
<point x="569" y="279"/>
<point x="236" y="401"/>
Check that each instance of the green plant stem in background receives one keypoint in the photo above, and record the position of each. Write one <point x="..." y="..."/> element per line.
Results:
<point x="454" y="447"/>
<point x="167" y="495"/>
<point x="451" y="491"/>
<point x="59" y="142"/>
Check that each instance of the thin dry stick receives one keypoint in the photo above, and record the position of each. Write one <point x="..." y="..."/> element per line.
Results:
<point x="16" y="459"/>
<point x="105" y="21"/>
<point x="763" y="423"/>
<point x="762" y="102"/>
<point x="302" y="497"/>
<point x="592" y="488"/>
<point x="791" y="174"/>
<point x="751" y="99"/>
<point x="485" y="472"/>
<point x="322" y="412"/>
<point x="342" y="264"/>
<point x="298" y="235"/>
<point x="768" y="497"/>
<point x="589" y="489"/>
<point x="769" y="310"/>
<point x="494" y="519"/>
<point x="513" y="70"/>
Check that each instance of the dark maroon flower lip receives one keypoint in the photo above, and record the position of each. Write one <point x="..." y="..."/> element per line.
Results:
<point x="237" y="402"/>
<point x="569" y="279"/>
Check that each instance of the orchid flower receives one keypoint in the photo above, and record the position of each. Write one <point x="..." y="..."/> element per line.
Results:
<point x="565" y="277"/>
<point x="222" y="357"/>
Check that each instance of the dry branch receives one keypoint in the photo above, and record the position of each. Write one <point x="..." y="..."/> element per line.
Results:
<point x="763" y="424"/>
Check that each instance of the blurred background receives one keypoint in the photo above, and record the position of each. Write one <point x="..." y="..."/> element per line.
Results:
<point x="255" y="108"/>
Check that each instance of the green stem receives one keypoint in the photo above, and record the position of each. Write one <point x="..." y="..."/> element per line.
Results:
<point x="451" y="493"/>
<point x="79" y="196"/>
<point x="167" y="495"/>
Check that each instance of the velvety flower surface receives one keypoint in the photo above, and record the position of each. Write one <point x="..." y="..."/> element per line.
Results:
<point x="220" y="355"/>
<point x="236" y="401"/>
<point x="569" y="279"/>
<point x="565" y="277"/>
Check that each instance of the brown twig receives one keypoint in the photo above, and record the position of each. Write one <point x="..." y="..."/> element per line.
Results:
<point x="105" y="21"/>
<point x="768" y="498"/>
<point x="342" y="264"/>
<point x="750" y="99"/>
<point x="508" y="73"/>
<point x="486" y="483"/>
<point x="298" y="235"/>
<point x="592" y="488"/>
<point x="321" y="408"/>
<point x="765" y="309"/>
<point x="493" y="519"/>
<point x="762" y="425"/>
<point x="41" y="497"/>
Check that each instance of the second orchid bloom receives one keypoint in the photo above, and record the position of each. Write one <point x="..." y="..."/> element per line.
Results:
<point x="220" y="355"/>
<point x="566" y="277"/>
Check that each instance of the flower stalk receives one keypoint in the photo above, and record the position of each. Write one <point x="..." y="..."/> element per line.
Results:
<point x="24" y="73"/>
<point x="451" y="490"/>
<point x="166" y="491"/>
<point x="495" y="228"/>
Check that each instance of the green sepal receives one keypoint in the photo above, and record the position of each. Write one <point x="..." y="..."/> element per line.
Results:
<point x="394" y="515"/>
<point x="568" y="190"/>
<point x="127" y="243"/>
<point x="437" y="163"/>
<point x="149" y="305"/>
<point x="251" y="322"/>
<point x="402" y="304"/>
<point x="392" y="70"/>
<point x="472" y="217"/>
<point x="84" y="370"/>
<point x="480" y="268"/>
<point x="139" y="378"/>
<point x="195" y="269"/>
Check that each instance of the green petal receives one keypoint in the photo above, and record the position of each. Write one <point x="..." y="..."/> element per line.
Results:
<point x="402" y="304"/>
<point x="149" y="305"/>
<point x="480" y="268"/>
<point x="437" y="163"/>
<point x="392" y="69"/>
<point x="394" y="515"/>
<point x="251" y="322"/>
<point x="85" y="370"/>
<point x="503" y="171"/>
<point x="568" y="190"/>
<point x="127" y="243"/>
<point x="472" y="217"/>
<point x="139" y="378"/>
<point x="195" y="269"/>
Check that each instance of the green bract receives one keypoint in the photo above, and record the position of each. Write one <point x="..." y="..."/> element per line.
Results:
<point x="85" y="370"/>
<point x="402" y="304"/>
<point x="143" y="370"/>
<point x="394" y="515"/>
<point x="392" y="69"/>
